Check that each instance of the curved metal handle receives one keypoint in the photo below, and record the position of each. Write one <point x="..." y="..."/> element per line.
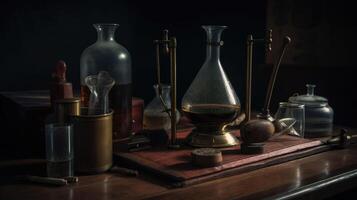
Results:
<point x="287" y="40"/>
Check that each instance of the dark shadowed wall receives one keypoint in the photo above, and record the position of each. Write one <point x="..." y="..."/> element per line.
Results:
<point x="33" y="36"/>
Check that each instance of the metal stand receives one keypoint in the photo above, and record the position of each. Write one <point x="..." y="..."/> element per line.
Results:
<point x="169" y="46"/>
<point x="250" y="41"/>
<point x="266" y="113"/>
<point x="257" y="127"/>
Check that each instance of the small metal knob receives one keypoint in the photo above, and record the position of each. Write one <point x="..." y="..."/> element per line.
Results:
<point x="268" y="40"/>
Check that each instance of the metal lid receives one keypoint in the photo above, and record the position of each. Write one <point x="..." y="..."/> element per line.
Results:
<point x="309" y="99"/>
<point x="290" y="105"/>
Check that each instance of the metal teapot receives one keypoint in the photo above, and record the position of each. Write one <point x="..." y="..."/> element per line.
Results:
<point x="318" y="114"/>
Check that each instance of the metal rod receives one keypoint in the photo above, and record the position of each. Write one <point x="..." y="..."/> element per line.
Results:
<point x="287" y="40"/>
<point x="158" y="68"/>
<point x="268" y="40"/>
<point x="250" y="43"/>
<point x="248" y="88"/>
<point x="172" y="46"/>
<point x="166" y="38"/>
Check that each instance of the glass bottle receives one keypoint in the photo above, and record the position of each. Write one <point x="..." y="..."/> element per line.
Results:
<point x="211" y="102"/>
<point x="318" y="113"/>
<point x="155" y="113"/>
<point x="107" y="55"/>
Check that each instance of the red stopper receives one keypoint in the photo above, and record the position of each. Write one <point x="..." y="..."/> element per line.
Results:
<point x="59" y="74"/>
<point x="60" y="89"/>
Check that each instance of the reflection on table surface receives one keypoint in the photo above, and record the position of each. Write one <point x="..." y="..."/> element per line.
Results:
<point x="265" y="182"/>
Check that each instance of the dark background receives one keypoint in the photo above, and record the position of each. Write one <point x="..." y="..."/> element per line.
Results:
<point x="34" y="35"/>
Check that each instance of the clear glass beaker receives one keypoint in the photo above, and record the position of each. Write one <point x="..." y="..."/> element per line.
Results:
<point x="211" y="102"/>
<point x="59" y="150"/>
<point x="293" y="110"/>
<point x="156" y="116"/>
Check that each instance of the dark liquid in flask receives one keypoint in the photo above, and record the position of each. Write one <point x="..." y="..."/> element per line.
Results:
<point x="120" y="101"/>
<point x="211" y="113"/>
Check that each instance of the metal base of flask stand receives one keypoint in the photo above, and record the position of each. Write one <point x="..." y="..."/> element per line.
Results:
<point x="215" y="140"/>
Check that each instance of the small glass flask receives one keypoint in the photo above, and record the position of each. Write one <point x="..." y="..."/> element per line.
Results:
<point x="156" y="115"/>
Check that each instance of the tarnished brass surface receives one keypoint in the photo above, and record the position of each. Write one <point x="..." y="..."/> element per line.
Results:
<point x="93" y="148"/>
<point x="64" y="108"/>
<point x="223" y="139"/>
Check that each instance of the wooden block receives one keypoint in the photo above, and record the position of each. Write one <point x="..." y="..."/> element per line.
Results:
<point x="207" y="157"/>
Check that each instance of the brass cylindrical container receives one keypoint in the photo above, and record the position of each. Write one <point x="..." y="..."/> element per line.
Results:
<point x="93" y="148"/>
<point x="64" y="108"/>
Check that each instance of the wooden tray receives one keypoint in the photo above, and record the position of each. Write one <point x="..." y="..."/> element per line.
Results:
<point x="175" y="166"/>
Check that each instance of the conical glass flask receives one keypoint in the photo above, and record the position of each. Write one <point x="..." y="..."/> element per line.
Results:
<point x="211" y="102"/>
<point x="155" y="113"/>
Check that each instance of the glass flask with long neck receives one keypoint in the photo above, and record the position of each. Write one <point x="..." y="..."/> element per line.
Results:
<point x="211" y="102"/>
<point x="107" y="55"/>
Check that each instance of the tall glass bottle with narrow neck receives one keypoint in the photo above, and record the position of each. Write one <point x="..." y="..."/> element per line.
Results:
<point x="107" y="55"/>
<point x="211" y="102"/>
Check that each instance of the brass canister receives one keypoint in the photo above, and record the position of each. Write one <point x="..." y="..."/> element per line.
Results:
<point x="93" y="148"/>
<point x="64" y="108"/>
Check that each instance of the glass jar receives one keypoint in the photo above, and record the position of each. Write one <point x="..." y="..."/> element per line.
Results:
<point x="318" y="114"/>
<point x="107" y="55"/>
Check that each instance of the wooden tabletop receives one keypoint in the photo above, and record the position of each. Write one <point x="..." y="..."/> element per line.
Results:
<point x="317" y="176"/>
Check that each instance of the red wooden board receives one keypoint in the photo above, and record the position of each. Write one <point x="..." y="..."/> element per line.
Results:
<point x="176" y="164"/>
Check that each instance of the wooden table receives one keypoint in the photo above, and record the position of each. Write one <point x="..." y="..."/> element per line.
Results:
<point x="318" y="176"/>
